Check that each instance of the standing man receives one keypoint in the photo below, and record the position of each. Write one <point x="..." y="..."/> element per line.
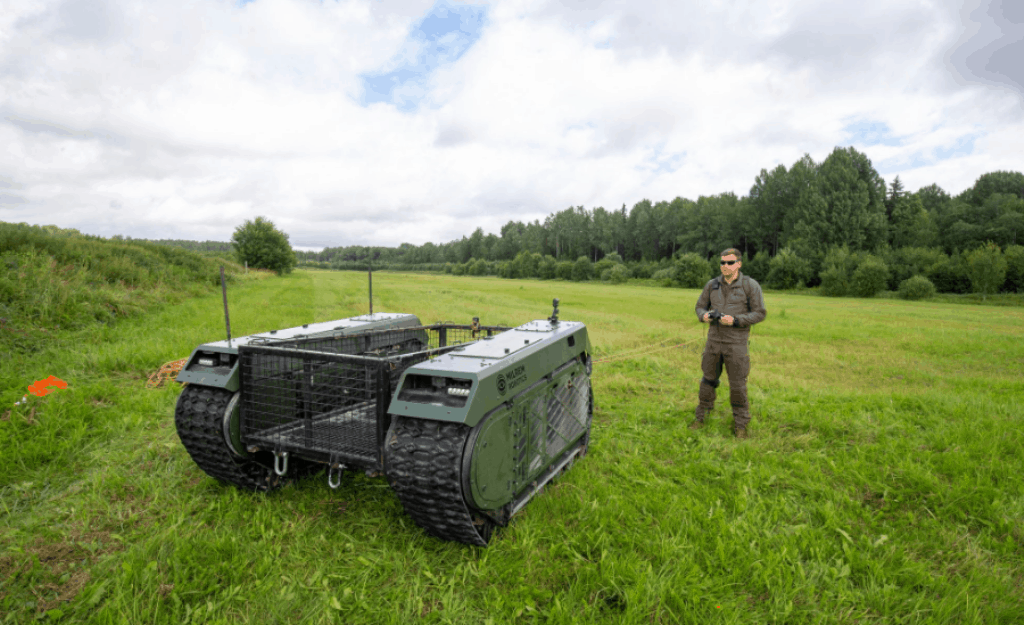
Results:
<point x="731" y="303"/>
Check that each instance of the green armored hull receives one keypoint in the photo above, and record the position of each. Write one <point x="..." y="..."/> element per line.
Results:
<point x="518" y="409"/>
<point x="467" y="422"/>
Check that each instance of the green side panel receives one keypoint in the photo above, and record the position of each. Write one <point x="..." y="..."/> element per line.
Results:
<point x="517" y="444"/>
<point x="492" y="470"/>
<point x="232" y="383"/>
<point x="509" y="376"/>
<point x="500" y="367"/>
<point x="214" y="377"/>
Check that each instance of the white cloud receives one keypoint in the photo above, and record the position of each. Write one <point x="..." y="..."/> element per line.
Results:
<point x="158" y="119"/>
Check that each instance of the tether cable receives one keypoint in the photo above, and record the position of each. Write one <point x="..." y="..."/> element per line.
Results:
<point x="646" y="349"/>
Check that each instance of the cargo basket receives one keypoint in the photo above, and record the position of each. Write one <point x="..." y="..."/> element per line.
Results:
<point x="326" y="398"/>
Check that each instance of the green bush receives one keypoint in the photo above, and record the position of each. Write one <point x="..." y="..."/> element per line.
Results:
<point x="601" y="266"/>
<point x="546" y="271"/>
<point x="787" y="270"/>
<point x="834" y="282"/>
<point x="758" y="266"/>
<point x="950" y="275"/>
<point x="836" y="269"/>
<point x="665" y="277"/>
<point x="907" y="262"/>
<point x="525" y="265"/>
<point x="813" y="258"/>
<point x="1014" y="256"/>
<point x="714" y="265"/>
<point x="692" y="272"/>
<point x="478" y="267"/>
<point x="870" y="277"/>
<point x="582" y="269"/>
<point x="987" y="268"/>
<point x="618" y="274"/>
<point x="917" y="287"/>
<point x="563" y="270"/>
<point x="643" y="270"/>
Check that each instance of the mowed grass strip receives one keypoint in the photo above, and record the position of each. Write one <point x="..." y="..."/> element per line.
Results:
<point x="882" y="482"/>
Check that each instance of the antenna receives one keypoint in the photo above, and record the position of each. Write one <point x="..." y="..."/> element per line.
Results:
<point x="224" y="292"/>
<point x="369" y="268"/>
<point x="554" y="315"/>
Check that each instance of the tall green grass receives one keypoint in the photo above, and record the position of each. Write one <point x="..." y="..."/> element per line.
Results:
<point x="52" y="279"/>
<point x="882" y="483"/>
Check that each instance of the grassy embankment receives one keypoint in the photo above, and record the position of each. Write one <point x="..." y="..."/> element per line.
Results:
<point x="53" y="280"/>
<point x="882" y="483"/>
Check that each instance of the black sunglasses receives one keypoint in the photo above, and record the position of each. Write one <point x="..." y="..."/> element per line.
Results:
<point x="729" y="262"/>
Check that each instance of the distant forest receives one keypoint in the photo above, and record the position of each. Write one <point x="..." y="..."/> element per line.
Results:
<point x="808" y="208"/>
<point x="195" y="246"/>
<point x="809" y="215"/>
<point x="811" y="224"/>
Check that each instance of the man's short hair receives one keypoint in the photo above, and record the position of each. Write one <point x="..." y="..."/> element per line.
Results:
<point x="733" y="251"/>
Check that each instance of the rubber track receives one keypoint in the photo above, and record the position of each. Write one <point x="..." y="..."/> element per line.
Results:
<point x="423" y="460"/>
<point x="199" y="418"/>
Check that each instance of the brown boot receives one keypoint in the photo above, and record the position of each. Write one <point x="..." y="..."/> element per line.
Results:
<point x="741" y="432"/>
<point x="697" y="424"/>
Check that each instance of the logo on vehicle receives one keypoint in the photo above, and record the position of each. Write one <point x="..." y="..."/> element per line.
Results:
<point x="510" y="379"/>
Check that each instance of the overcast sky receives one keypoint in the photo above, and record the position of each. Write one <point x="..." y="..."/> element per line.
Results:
<point x="378" y="122"/>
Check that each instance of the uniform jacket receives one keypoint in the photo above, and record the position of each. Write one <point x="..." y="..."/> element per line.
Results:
<point x="742" y="299"/>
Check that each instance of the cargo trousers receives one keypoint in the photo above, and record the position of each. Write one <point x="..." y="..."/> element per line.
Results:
<point x="736" y="360"/>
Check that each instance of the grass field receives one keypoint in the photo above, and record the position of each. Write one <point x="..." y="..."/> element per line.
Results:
<point x="883" y="481"/>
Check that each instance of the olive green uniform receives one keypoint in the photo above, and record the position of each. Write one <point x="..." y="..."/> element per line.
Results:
<point x="727" y="345"/>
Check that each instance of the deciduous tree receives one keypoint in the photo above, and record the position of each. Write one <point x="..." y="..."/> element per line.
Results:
<point x="987" y="268"/>
<point x="848" y="208"/>
<point x="260" y="244"/>
<point x="1011" y="182"/>
<point x="771" y="196"/>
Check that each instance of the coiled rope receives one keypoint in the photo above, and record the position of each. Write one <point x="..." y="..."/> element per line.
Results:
<point x="166" y="373"/>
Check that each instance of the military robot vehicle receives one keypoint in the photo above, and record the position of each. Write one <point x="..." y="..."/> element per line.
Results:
<point x="466" y="422"/>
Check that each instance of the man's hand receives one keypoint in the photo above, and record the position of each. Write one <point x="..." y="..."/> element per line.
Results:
<point x="706" y="316"/>
<point x="727" y="320"/>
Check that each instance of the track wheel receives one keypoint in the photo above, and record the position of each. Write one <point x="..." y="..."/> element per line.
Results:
<point x="199" y="418"/>
<point x="423" y="463"/>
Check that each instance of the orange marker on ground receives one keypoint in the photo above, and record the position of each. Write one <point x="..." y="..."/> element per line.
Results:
<point x="41" y="387"/>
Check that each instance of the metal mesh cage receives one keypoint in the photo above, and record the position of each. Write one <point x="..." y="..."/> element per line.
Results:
<point x="327" y="397"/>
<point x="553" y="421"/>
<point x="310" y="402"/>
<point x="568" y="413"/>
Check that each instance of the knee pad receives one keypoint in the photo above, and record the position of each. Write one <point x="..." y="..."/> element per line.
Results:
<point x="711" y="383"/>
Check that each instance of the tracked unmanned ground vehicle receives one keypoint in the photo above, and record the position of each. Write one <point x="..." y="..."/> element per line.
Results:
<point x="466" y="422"/>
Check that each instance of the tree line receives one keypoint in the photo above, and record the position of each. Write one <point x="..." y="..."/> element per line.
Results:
<point x="814" y="223"/>
<point x="195" y="246"/>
